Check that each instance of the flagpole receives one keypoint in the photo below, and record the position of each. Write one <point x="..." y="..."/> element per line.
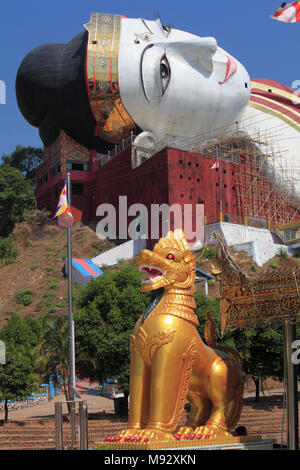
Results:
<point x="221" y="193"/>
<point x="70" y="320"/>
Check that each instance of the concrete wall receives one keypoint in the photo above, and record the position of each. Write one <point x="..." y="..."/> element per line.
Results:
<point x="260" y="251"/>
<point x="125" y="251"/>
<point x="257" y="242"/>
<point x="234" y="234"/>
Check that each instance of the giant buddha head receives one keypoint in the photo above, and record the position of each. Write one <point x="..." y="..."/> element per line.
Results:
<point x="130" y="74"/>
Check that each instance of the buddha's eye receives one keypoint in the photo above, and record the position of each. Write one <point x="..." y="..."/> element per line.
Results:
<point x="170" y="256"/>
<point x="165" y="73"/>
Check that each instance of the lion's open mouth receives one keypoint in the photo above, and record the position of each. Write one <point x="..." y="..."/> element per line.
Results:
<point x="151" y="272"/>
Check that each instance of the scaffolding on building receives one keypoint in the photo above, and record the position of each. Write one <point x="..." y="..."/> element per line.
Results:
<point x="266" y="193"/>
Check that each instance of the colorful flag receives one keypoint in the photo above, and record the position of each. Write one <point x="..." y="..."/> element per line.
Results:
<point x="216" y="165"/>
<point x="288" y="13"/>
<point x="63" y="212"/>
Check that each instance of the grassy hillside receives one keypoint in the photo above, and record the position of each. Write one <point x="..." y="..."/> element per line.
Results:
<point x="35" y="281"/>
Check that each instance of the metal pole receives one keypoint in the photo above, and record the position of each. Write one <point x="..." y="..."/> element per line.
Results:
<point x="58" y="426"/>
<point x="220" y="182"/>
<point x="83" y="426"/>
<point x="70" y="320"/>
<point x="292" y="389"/>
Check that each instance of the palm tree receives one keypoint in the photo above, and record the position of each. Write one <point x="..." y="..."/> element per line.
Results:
<point x="54" y="353"/>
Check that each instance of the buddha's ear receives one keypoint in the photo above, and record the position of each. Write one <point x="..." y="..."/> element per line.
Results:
<point x="143" y="142"/>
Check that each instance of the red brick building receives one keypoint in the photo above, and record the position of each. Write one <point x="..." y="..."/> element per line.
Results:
<point x="236" y="192"/>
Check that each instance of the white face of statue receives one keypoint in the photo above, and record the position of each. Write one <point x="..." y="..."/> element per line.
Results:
<point x="176" y="83"/>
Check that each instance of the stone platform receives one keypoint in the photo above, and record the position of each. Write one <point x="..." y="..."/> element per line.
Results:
<point x="229" y="443"/>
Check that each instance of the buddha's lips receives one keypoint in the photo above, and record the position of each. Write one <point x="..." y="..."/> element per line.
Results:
<point x="231" y="69"/>
<point x="152" y="272"/>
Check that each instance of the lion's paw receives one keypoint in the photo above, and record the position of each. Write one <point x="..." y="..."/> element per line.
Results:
<point x="128" y="432"/>
<point x="211" y="431"/>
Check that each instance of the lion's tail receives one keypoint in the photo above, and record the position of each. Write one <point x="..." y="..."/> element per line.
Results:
<point x="210" y="338"/>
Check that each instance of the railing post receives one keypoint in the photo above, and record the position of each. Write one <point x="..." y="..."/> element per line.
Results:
<point x="58" y="426"/>
<point x="292" y="388"/>
<point x="83" y="426"/>
<point x="73" y="423"/>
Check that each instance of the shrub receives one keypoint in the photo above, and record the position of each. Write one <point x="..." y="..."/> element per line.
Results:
<point x="283" y="253"/>
<point x="253" y="268"/>
<point x="53" y="283"/>
<point x="32" y="266"/>
<point x="8" y="251"/>
<point x="210" y="252"/>
<point x="24" y="296"/>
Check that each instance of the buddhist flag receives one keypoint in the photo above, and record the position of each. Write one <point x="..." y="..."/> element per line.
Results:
<point x="65" y="217"/>
<point x="288" y="13"/>
<point x="216" y="165"/>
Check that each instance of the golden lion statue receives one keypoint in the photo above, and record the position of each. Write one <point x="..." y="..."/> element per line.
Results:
<point x="169" y="361"/>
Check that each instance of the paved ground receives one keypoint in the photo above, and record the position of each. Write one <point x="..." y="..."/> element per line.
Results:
<point x="90" y="393"/>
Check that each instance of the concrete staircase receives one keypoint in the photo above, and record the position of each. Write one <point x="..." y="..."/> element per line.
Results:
<point x="263" y="418"/>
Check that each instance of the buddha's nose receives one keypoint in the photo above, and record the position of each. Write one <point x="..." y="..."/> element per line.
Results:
<point x="198" y="51"/>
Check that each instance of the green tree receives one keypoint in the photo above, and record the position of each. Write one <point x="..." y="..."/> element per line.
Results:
<point x="23" y="333"/>
<point x="54" y="352"/>
<point x="107" y="310"/>
<point x="16" y="197"/>
<point x="26" y="159"/>
<point x="203" y="304"/>
<point x="18" y="378"/>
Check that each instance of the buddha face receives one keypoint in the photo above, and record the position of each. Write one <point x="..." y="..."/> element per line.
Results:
<point x="172" y="82"/>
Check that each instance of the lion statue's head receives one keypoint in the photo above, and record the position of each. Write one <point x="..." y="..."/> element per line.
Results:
<point x="171" y="264"/>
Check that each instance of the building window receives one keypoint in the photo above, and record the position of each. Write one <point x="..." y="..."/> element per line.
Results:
<point x="77" y="189"/>
<point x="43" y="180"/>
<point x="56" y="191"/>
<point x="55" y="170"/>
<point x="78" y="166"/>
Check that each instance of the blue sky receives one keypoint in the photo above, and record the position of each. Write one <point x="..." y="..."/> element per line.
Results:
<point x="267" y="48"/>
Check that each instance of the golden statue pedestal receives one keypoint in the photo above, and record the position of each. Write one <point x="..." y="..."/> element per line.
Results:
<point x="253" y="442"/>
